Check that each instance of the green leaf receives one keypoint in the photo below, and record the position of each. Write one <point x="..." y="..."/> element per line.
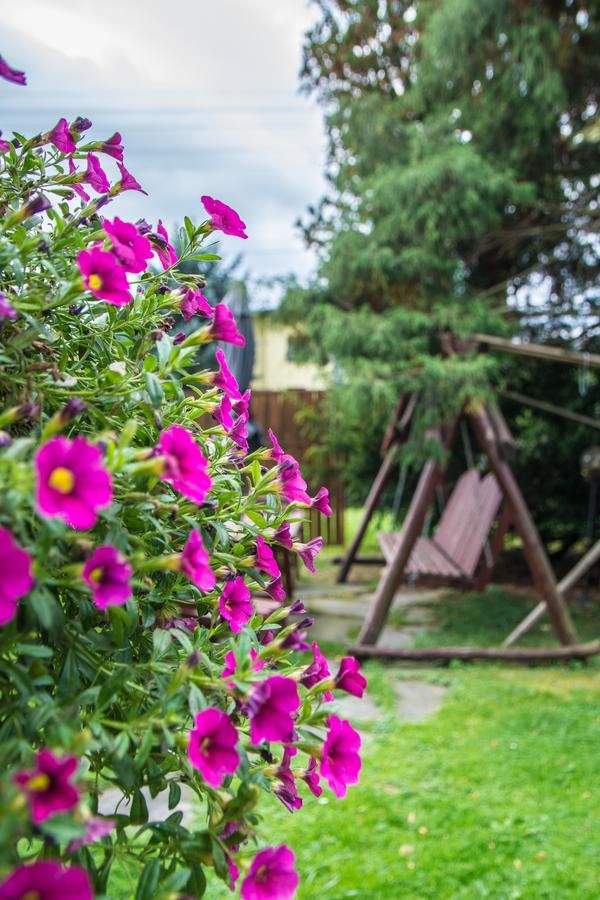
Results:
<point x="144" y="750"/>
<point x="150" y="363"/>
<point x="62" y="828"/>
<point x="39" y="651"/>
<point x="146" y="888"/>
<point x="174" y="794"/>
<point x="155" y="389"/>
<point x="139" y="809"/>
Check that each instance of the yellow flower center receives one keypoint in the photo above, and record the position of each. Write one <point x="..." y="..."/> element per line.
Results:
<point x="38" y="783"/>
<point x="32" y="895"/>
<point x="205" y="744"/>
<point x="95" y="282"/>
<point x="261" y="874"/>
<point x="96" y="574"/>
<point x="62" y="480"/>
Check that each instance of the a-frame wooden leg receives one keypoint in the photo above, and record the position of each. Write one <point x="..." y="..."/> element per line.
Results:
<point x="533" y="548"/>
<point x="372" y="500"/>
<point x="392" y="574"/>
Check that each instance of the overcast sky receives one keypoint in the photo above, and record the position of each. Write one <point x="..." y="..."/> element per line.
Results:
<point x="204" y="93"/>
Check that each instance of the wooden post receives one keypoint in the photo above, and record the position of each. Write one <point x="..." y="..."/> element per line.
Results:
<point x="534" y="551"/>
<point x="504" y="522"/>
<point x="413" y="524"/>
<point x="372" y="500"/>
<point x="570" y="580"/>
<point x="527" y="655"/>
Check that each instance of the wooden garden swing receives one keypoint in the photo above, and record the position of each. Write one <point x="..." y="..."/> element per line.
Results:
<point x="466" y="543"/>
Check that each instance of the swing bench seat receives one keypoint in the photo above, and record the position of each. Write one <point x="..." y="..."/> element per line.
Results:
<point x="455" y="552"/>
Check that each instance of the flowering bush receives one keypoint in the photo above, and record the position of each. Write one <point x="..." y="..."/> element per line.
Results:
<point x="134" y="534"/>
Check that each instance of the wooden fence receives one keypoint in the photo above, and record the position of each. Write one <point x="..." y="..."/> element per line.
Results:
<point x="279" y="410"/>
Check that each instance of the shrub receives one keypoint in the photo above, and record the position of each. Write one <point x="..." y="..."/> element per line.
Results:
<point x="134" y="530"/>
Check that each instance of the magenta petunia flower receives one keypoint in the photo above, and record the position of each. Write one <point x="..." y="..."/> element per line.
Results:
<point x="47" y="880"/>
<point x="223" y="414"/>
<point x="72" y="482"/>
<point x="103" y="276"/>
<point x="224" y="218"/>
<point x="239" y="432"/>
<point x="112" y="146"/>
<point x="95" y="175"/>
<point x="224" y="327"/>
<point x="286" y="788"/>
<point x="277" y="451"/>
<point x="317" y="671"/>
<point x="340" y="760"/>
<point x="321" y="502"/>
<point x="16" y="578"/>
<point x="194" y="303"/>
<point x="195" y="563"/>
<point x="96" y="827"/>
<point x="349" y="677"/>
<point x="163" y="249"/>
<point x="291" y="482"/>
<point x="108" y="574"/>
<point x="213" y="743"/>
<point x="276" y="590"/>
<point x="75" y="185"/>
<point x="271" y="876"/>
<point x="283" y="535"/>
<point x="311" y="777"/>
<point x="48" y="787"/>
<point x="308" y="551"/>
<point x="11" y="74"/>
<point x="7" y="310"/>
<point x="128" y="182"/>
<point x="230" y="661"/>
<point x="131" y="248"/>
<point x="242" y="406"/>
<point x="235" y="604"/>
<point x="224" y="378"/>
<point x="185" y="464"/>
<point x="265" y="559"/>
<point x="4" y="145"/>
<point x="271" y="709"/>
<point x="61" y="137"/>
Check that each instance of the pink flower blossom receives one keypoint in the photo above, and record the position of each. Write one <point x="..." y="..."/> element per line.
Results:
<point x="224" y="327"/>
<point x="96" y="827"/>
<point x="311" y="777"/>
<point x="291" y="482"/>
<point x="95" y="175"/>
<point x="277" y="452"/>
<point x="230" y="661"/>
<point x="194" y="303"/>
<point x="61" y="137"/>
<point x="239" y="432"/>
<point x="48" y="787"/>
<point x="163" y="249"/>
<point x="272" y="875"/>
<point x="223" y="414"/>
<point x="224" y="378"/>
<point x="283" y="535"/>
<point x="235" y="604"/>
<point x="11" y="74"/>
<point x="286" y="790"/>
<point x="317" y="671"/>
<point x="242" y="406"/>
<point x="195" y="563"/>
<point x="7" y="310"/>
<point x="77" y="187"/>
<point x="212" y="748"/>
<point x="276" y="590"/>
<point x="72" y="482"/>
<point x="271" y="708"/>
<point x="128" y="182"/>
<point x="185" y="464"/>
<point x="349" y="677"/>
<point x="340" y="760"/>
<point x="131" y="248"/>
<point x="308" y="551"/>
<point x="16" y="578"/>
<point x="265" y="559"/>
<point x="47" y="880"/>
<point x="108" y="574"/>
<point x="224" y="218"/>
<point x="321" y="502"/>
<point x="103" y="276"/>
<point x="112" y="146"/>
<point x="4" y="145"/>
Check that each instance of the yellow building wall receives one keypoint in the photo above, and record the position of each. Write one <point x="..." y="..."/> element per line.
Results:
<point x="272" y="370"/>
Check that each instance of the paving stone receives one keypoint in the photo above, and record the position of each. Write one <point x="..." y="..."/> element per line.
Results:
<point x="417" y="700"/>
